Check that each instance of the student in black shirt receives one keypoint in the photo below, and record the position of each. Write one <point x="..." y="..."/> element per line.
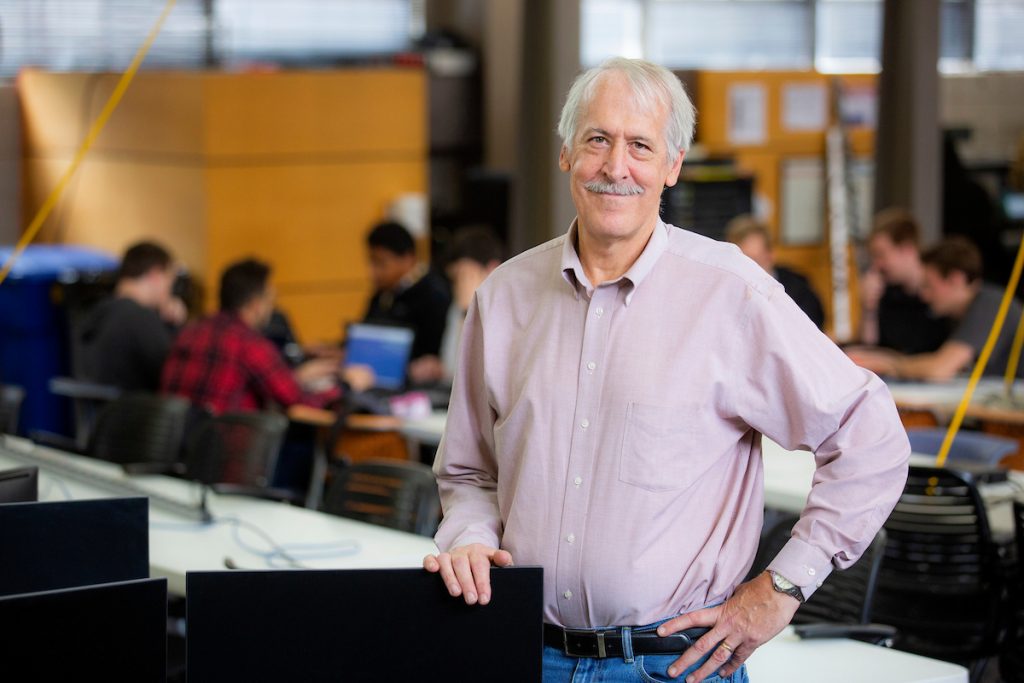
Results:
<point x="406" y="293"/>
<point x="893" y="314"/>
<point x="755" y="242"/>
<point x="127" y="337"/>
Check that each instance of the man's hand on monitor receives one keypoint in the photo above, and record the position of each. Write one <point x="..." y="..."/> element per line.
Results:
<point x="314" y="374"/>
<point x="359" y="377"/>
<point x="466" y="570"/>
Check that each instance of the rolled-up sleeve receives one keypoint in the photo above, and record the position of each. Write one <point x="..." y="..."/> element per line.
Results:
<point x="466" y="468"/>
<point x="805" y="394"/>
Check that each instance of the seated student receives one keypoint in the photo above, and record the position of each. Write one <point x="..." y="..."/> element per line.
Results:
<point x="406" y="293"/>
<point x="126" y="338"/>
<point x="952" y="287"/>
<point x="755" y="241"/>
<point x="224" y="363"/>
<point x="893" y="313"/>
<point x="475" y="252"/>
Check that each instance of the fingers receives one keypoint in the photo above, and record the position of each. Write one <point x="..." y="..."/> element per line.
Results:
<point x="466" y="571"/>
<point x="736" y="661"/>
<point x="701" y="617"/>
<point x="705" y="644"/>
<point x="720" y="657"/>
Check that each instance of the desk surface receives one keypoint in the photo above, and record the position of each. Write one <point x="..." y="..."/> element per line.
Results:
<point x="244" y="531"/>
<point x="242" y="526"/>
<point x="788" y="659"/>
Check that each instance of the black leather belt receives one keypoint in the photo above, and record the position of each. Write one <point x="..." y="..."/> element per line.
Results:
<point x="608" y="642"/>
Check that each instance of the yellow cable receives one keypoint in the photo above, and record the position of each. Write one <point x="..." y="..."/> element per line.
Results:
<point x="94" y="132"/>
<point x="979" y="365"/>
<point x="1014" y="360"/>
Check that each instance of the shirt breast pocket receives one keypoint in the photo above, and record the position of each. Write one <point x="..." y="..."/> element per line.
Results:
<point x="661" y="449"/>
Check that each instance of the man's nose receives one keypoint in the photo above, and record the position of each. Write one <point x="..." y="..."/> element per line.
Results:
<point x="615" y="166"/>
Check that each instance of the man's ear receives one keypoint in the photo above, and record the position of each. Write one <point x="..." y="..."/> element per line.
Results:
<point x="673" y="171"/>
<point x="563" y="159"/>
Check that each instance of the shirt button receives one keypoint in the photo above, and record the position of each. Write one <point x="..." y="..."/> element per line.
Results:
<point x="585" y="423"/>
<point x="810" y="570"/>
<point x="598" y="311"/>
<point x="577" y="481"/>
<point x="571" y="538"/>
<point x="820" y="583"/>
<point x="591" y="366"/>
<point x="567" y="595"/>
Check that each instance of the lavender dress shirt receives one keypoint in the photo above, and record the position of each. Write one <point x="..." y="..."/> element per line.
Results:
<point x="612" y="434"/>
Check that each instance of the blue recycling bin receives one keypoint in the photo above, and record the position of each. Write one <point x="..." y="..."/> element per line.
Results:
<point x="34" y="343"/>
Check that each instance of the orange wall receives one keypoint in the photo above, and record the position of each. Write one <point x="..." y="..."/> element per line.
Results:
<point x="291" y="167"/>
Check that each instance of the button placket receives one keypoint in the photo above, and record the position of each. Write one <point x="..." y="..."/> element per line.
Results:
<point x="582" y="447"/>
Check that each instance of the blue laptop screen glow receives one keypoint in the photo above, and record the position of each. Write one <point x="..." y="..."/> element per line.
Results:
<point x="385" y="349"/>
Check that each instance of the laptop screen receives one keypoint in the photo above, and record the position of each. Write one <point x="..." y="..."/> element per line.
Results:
<point x="384" y="348"/>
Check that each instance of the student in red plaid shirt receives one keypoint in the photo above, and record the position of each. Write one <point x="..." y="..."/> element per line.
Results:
<point x="224" y="363"/>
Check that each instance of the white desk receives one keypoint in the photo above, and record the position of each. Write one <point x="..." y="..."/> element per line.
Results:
<point x="788" y="659"/>
<point x="178" y="544"/>
<point x="428" y="430"/>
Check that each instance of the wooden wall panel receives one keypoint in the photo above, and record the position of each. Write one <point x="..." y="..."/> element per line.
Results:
<point x="364" y="113"/>
<point x="293" y="167"/>
<point x="111" y="204"/>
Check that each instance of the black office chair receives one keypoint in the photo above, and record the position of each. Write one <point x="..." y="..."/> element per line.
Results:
<point x="88" y="399"/>
<point x="1011" y="660"/>
<point x="393" y="493"/>
<point x="237" y="453"/>
<point x="143" y="432"/>
<point x="941" y="582"/>
<point x="11" y="398"/>
<point x="844" y="601"/>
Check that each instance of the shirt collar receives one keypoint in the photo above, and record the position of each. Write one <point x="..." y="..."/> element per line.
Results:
<point x="572" y="267"/>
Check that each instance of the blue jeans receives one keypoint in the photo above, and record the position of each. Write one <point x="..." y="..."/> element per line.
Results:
<point x="560" y="668"/>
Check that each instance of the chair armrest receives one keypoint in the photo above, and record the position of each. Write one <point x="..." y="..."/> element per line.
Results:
<point x="53" y="440"/>
<point x="877" y="634"/>
<point x="76" y="388"/>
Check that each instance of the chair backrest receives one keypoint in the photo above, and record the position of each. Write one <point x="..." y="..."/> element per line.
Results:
<point x="235" y="449"/>
<point x="140" y="428"/>
<point x="88" y="399"/>
<point x="1011" y="660"/>
<point x="392" y="493"/>
<point x="968" y="446"/>
<point x="940" y="579"/>
<point x="847" y="596"/>
<point x="11" y="398"/>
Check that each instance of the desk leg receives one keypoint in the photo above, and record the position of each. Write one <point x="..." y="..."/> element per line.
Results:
<point x="316" y="479"/>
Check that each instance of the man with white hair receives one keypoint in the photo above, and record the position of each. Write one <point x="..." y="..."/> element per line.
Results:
<point x="607" y="413"/>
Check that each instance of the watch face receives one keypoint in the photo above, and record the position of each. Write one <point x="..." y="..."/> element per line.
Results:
<point x="782" y="582"/>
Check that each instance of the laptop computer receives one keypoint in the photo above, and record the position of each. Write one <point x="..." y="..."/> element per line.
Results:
<point x="361" y="625"/>
<point x="384" y="348"/>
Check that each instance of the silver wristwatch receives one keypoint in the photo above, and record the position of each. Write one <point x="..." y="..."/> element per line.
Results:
<point x="784" y="585"/>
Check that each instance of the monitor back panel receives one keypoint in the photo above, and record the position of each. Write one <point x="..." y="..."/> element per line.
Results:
<point x="110" y="632"/>
<point x="19" y="485"/>
<point x="361" y="625"/>
<point x="46" y="546"/>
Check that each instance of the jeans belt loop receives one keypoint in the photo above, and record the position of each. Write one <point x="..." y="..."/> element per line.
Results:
<point x="627" y="644"/>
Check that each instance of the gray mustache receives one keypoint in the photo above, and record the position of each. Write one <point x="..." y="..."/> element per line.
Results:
<point x="622" y="189"/>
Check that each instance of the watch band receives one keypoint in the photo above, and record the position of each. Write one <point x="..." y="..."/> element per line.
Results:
<point x="783" y="585"/>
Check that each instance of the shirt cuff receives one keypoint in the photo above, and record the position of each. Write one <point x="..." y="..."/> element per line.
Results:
<point x="803" y="564"/>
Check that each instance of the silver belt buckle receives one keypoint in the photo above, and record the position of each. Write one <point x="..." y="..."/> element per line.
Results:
<point x="602" y="653"/>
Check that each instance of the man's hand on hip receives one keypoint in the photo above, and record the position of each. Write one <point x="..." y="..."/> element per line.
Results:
<point x="751" y="617"/>
<point x="466" y="570"/>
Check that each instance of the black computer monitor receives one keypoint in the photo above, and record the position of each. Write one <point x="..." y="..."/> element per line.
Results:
<point x="361" y="625"/>
<point x="46" y="546"/>
<point x="109" y="632"/>
<point x="20" y="485"/>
